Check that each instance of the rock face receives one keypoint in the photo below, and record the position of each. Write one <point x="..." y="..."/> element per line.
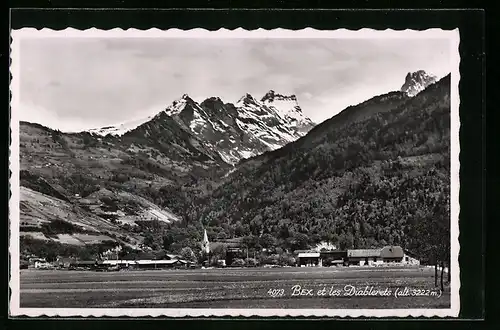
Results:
<point x="233" y="131"/>
<point x="288" y="108"/>
<point x="416" y="82"/>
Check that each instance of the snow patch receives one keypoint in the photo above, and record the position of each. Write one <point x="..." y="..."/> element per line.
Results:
<point x="120" y="129"/>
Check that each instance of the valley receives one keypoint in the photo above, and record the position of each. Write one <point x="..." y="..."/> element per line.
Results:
<point x="258" y="172"/>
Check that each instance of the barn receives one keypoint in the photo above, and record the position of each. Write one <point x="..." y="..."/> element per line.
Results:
<point x="364" y="257"/>
<point x="306" y="259"/>
<point x="358" y="257"/>
<point x="392" y="254"/>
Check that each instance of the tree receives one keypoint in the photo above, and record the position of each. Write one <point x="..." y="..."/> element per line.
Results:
<point x="85" y="254"/>
<point x="251" y="262"/>
<point x="176" y="247"/>
<point x="251" y="242"/>
<point x="87" y="141"/>
<point x="51" y="256"/>
<point x="168" y="239"/>
<point x="149" y="239"/>
<point x="346" y="241"/>
<point x="287" y="260"/>
<point x="219" y="251"/>
<point x="267" y="241"/>
<point x="238" y="263"/>
<point x="188" y="254"/>
<point x="433" y="237"/>
<point x="298" y="241"/>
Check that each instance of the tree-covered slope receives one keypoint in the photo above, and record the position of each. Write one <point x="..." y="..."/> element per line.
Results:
<point x="366" y="177"/>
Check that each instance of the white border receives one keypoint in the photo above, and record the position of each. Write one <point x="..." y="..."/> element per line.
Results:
<point x="454" y="38"/>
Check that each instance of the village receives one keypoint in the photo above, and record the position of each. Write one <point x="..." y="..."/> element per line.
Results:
<point x="323" y="254"/>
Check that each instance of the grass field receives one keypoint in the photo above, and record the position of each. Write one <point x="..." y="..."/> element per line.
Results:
<point x="230" y="288"/>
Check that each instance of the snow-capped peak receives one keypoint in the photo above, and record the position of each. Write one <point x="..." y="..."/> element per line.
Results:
<point x="287" y="107"/>
<point x="415" y="82"/>
<point x="178" y="105"/>
<point x="283" y="104"/>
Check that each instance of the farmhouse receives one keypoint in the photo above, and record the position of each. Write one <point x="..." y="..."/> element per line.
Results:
<point x="43" y="265"/>
<point x="410" y="259"/>
<point x="392" y="254"/>
<point x="364" y="257"/>
<point x="64" y="262"/>
<point x="359" y="257"/>
<point x="333" y="257"/>
<point x="33" y="261"/>
<point x="307" y="259"/>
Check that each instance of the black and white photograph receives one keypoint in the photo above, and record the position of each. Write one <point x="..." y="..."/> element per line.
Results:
<point x="234" y="172"/>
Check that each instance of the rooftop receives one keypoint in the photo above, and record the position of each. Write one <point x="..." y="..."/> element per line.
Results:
<point x="392" y="252"/>
<point x="364" y="253"/>
<point x="308" y="255"/>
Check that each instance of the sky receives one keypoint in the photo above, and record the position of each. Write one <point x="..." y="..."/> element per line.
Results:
<point x="75" y="84"/>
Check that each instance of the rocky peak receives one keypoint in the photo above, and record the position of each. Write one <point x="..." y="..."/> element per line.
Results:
<point x="417" y="81"/>
<point x="212" y="101"/>
<point x="213" y="105"/>
<point x="247" y="98"/>
<point x="179" y="105"/>
<point x="272" y="95"/>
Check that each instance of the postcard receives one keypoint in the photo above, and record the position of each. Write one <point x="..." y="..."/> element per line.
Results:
<point x="234" y="173"/>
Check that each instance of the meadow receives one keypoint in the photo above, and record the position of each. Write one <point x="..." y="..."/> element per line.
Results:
<point x="234" y="288"/>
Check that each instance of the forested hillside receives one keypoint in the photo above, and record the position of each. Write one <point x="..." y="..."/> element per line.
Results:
<point x="377" y="173"/>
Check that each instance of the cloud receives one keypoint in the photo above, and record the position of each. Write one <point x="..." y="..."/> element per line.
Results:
<point x="104" y="81"/>
<point x="54" y="84"/>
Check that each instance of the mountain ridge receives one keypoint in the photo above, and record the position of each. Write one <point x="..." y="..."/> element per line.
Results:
<point x="236" y="131"/>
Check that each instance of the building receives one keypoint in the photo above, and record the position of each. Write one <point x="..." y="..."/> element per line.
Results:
<point x="321" y="258"/>
<point x="309" y="259"/>
<point x="43" y="265"/>
<point x="392" y="254"/>
<point x="64" y="262"/>
<point x="333" y="257"/>
<point x="359" y="257"/>
<point x="146" y="264"/>
<point x="364" y="257"/>
<point x="171" y="261"/>
<point x="410" y="259"/>
<point x="169" y="256"/>
<point x="33" y="261"/>
<point x="233" y="253"/>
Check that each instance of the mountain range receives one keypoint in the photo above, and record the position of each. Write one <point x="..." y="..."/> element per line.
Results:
<point x="234" y="131"/>
<point x="256" y="168"/>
